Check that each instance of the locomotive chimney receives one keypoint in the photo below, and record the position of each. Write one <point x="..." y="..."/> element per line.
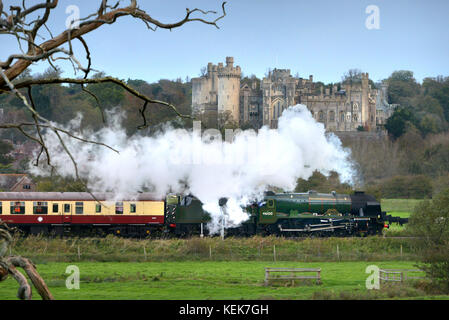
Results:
<point x="222" y="202"/>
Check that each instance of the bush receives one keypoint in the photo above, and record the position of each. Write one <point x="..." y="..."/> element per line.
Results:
<point x="410" y="187"/>
<point x="430" y="224"/>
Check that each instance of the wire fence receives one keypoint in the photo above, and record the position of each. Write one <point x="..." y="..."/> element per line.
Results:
<point x="215" y="249"/>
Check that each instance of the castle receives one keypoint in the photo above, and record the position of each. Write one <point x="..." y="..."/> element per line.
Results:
<point x="351" y="106"/>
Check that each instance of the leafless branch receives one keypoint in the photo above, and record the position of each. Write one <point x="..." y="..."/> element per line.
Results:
<point x="21" y="23"/>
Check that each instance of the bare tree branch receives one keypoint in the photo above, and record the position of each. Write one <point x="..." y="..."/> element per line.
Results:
<point x="9" y="265"/>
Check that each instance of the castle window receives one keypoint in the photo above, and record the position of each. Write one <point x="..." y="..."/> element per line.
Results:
<point x="355" y="117"/>
<point x="342" y="116"/>
<point x="321" y="116"/>
<point x="332" y="116"/>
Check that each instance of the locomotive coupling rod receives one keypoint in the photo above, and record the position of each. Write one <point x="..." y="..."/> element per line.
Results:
<point x="310" y="229"/>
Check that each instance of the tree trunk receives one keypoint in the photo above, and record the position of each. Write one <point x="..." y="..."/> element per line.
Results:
<point x="25" y="291"/>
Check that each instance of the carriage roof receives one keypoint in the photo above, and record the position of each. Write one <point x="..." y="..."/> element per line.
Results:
<point x="77" y="196"/>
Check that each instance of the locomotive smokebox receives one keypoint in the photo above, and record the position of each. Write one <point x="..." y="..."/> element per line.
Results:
<point x="222" y="202"/>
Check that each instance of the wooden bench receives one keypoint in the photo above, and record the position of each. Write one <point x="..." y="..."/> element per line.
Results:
<point x="398" y="275"/>
<point x="292" y="274"/>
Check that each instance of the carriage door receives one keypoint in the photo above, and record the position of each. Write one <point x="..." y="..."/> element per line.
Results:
<point x="67" y="213"/>
<point x="57" y="209"/>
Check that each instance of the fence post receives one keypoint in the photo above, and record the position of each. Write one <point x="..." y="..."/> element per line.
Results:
<point x="401" y="251"/>
<point x="79" y="253"/>
<point x="274" y="252"/>
<point x="145" y="253"/>
<point x="338" y="253"/>
<point x="210" y="252"/>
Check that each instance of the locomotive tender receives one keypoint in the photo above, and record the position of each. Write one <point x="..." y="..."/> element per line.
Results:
<point x="290" y="214"/>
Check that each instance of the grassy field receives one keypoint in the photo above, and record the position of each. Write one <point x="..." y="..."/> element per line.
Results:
<point x="210" y="280"/>
<point x="209" y="268"/>
<point x="405" y="206"/>
<point x="402" y="208"/>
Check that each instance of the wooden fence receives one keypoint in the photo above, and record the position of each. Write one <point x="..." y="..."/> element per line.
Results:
<point x="399" y="275"/>
<point x="292" y="274"/>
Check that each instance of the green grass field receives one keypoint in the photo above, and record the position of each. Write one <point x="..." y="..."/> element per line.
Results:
<point x="204" y="280"/>
<point x="405" y="206"/>
<point x="190" y="269"/>
<point x="402" y="208"/>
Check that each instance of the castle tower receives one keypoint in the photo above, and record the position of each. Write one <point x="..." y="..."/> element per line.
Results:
<point x="365" y="101"/>
<point x="229" y="88"/>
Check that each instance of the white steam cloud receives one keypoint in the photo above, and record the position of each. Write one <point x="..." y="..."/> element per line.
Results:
<point x="188" y="161"/>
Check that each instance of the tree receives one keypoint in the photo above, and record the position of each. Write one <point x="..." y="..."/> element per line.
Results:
<point x="429" y="223"/>
<point x="9" y="265"/>
<point x="401" y="86"/>
<point x="22" y="24"/>
<point x="5" y="159"/>
<point x="397" y="124"/>
<point x="352" y="76"/>
<point x="438" y="88"/>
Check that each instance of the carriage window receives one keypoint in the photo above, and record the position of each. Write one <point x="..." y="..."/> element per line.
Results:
<point x="98" y="208"/>
<point x="79" y="206"/>
<point x="270" y="204"/>
<point x="66" y="208"/>
<point x="18" y="207"/>
<point x="1" y="208"/>
<point x="55" y="208"/>
<point x="119" y="208"/>
<point x="40" y="207"/>
<point x="133" y="208"/>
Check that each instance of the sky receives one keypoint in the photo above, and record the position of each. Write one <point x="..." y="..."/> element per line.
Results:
<point x="323" y="38"/>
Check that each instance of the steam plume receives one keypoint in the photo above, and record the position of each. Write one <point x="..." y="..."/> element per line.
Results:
<point x="186" y="161"/>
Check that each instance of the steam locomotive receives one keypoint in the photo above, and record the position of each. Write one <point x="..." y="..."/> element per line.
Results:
<point x="293" y="214"/>
<point x="290" y="214"/>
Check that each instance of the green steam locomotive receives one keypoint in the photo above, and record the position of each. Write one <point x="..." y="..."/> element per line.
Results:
<point x="289" y="214"/>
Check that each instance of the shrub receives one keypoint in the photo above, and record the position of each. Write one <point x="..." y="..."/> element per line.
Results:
<point x="430" y="224"/>
<point x="411" y="187"/>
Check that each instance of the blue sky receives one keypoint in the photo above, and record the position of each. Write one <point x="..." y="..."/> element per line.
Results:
<point x="320" y="37"/>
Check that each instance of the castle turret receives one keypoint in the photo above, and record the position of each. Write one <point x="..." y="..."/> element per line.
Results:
<point x="365" y="103"/>
<point x="229" y="62"/>
<point x="229" y="88"/>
